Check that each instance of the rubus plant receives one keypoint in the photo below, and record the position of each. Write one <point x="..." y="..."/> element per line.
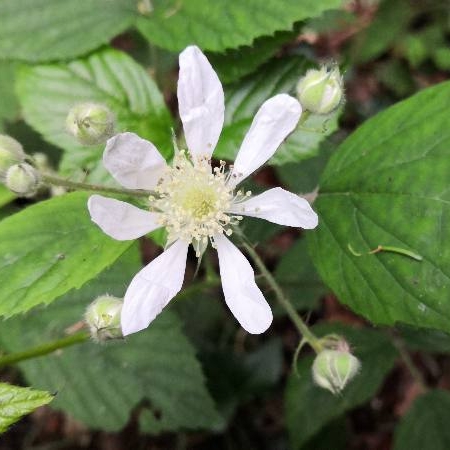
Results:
<point x="113" y="165"/>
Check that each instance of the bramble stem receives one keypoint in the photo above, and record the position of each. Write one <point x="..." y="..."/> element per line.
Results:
<point x="44" y="349"/>
<point x="57" y="181"/>
<point x="301" y="326"/>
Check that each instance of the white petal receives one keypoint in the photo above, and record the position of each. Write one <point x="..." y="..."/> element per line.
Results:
<point x="242" y="295"/>
<point x="279" y="206"/>
<point x="134" y="162"/>
<point x="153" y="287"/>
<point x="276" y="118"/>
<point x="200" y="102"/>
<point x="121" y="220"/>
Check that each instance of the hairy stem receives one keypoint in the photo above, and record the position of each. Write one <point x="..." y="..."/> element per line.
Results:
<point x="308" y="335"/>
<point x="44" y="349"/>
<point x="57" y="181"/>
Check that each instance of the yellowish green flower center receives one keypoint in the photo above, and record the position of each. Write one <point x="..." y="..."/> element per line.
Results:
<point x="194" y="201"/>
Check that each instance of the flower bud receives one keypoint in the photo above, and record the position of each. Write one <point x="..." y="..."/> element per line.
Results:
<point x="333" y="369"/>
<point x="22" y="179"/>
<point x="103" y="318"/>
<point x="11" y="152"/>
<point x="321" y="91"/>
<point x="90" y="123"/>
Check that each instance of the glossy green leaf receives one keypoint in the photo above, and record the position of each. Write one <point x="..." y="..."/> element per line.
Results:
<point x="16" y="402"/>
<point x="387" y="185"/>
<point x="425" y="425"/>
<point x="244" y="98"/>
<point x="309" y="408"/>
<point x="48" y="249"/>
<point x="43" y="30"/>
<point x="48" y="92"/>
<point x="223" y="24"/>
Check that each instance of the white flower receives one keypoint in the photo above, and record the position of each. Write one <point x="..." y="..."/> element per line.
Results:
<point x="196" y="203"/>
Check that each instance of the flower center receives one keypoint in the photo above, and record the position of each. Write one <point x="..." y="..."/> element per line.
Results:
<point x="194" y="201"/>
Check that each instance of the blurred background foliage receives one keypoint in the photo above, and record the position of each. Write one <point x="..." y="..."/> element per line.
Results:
<point x="194" y="379"/>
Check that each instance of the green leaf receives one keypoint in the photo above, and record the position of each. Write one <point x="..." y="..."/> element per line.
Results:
<point x="43" y="30"/>
<point x="387" y="185"/>
<point x="16" y="401"/>
<point x="425" y="425"/>
<point x="6" y="196"/>
<point x="243" y="100"/>
<point x="48" y="92"/>
<point x="223" y="24"/>
<point x="420" y="339"/>
<point x="236" y="63"/>
<point x="100" y="385"/>
<point x="48" y="249"/>
<point x="303" y="177"/>
<point x="9" y="106"/>
<point x="302" y="285"/>
<point x="309" y="408"/>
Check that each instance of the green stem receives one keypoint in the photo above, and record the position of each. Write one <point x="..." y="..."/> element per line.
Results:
<point x="57" y="181"/>
<point x="44" y="349"/>
<point x="301" y="326"/>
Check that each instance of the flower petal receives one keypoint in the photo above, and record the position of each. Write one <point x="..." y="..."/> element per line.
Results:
<point x="120" y="220"/>
<point x="200" y="102"/>
<point x="134" y="162"/>
<point x="279" y="206"/>
<point x="242" y="295"/>
<point x="153" y="287"/>
<point x="276" y="118"/>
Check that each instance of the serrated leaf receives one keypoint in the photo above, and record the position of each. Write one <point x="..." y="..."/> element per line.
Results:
<point x="100" y="385"/>
<point x="16" y="402"/>
<point x="236" y="63"/>
<point x="309" y="408"/>
<point x="387" y="185"/>
<point x="425" y="425"/>
<point x="243" y="100"/>
<point x="48" y="92"/>
<point x="223" y="24"/>
<point x="43" y="30"/>
<point x="48" y="249"/>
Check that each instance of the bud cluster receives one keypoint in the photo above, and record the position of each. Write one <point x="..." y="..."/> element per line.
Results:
<point x="19" y="176"/>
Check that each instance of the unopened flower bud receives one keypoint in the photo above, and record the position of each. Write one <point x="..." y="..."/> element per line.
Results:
<point x="22" y="179"/>
<point x="333" y="369"/>
<point x="321" y="91"/>
<point x="103" y="318"/>
<point x="90" y="123"/>
<point x="11" y="152"/>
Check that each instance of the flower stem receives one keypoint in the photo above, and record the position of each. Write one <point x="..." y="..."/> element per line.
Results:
<point x="57" y="181"/>
<point x="308" y="335"/>
<point x="44" y="349"/>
